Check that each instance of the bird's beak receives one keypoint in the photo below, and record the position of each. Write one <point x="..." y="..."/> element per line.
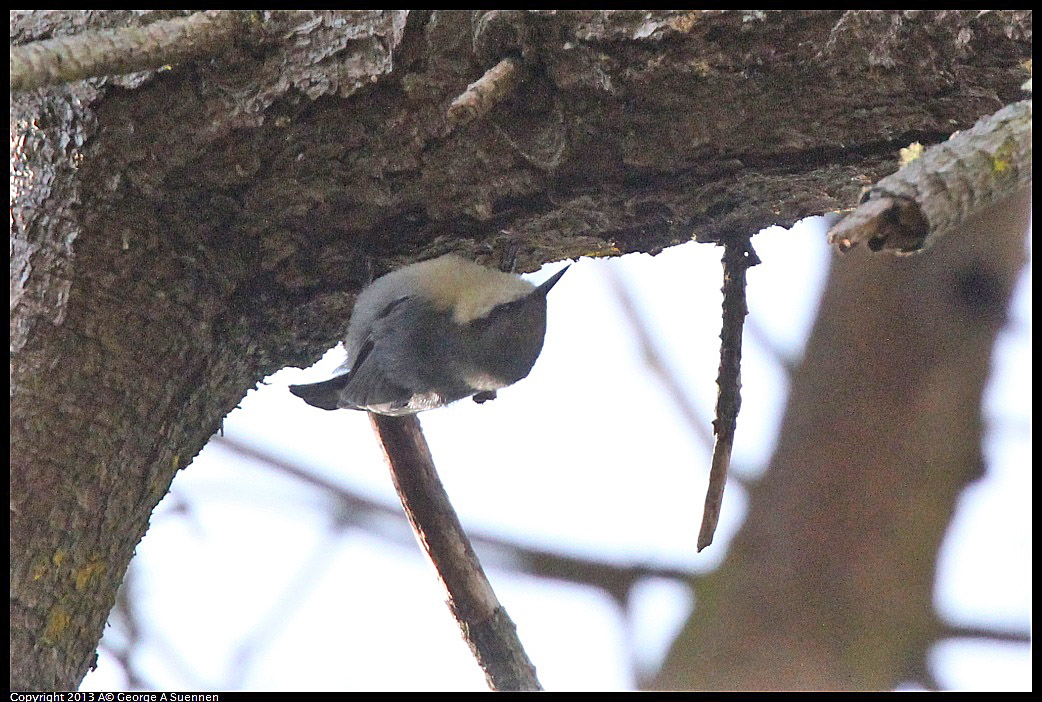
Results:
<point x="552" y="280"/>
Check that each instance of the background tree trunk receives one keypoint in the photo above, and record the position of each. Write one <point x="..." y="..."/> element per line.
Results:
<point x="178" y="234"/>
<point x="829" y="585"/>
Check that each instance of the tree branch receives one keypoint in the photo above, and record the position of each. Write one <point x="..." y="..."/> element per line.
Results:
<point x="910" y="209"/>
<point x="614" y="579"/>
<point x="486" y="92"/>
<point x="957" y="631"/>
<point x="738" y="257"/>
<point x="486" y="626"/>
<point x="68" y="58"/>
<point x="656" y="361"/>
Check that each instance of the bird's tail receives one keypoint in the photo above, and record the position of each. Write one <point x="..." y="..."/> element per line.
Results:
<point x="324" y="395"/>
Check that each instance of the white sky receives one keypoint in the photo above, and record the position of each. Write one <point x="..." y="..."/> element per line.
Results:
<point x="242" y="582"/>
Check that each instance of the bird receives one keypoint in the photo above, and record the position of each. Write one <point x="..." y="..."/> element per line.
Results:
<point x="435" y="332"/>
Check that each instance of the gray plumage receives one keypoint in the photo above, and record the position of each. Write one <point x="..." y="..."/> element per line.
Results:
<point x="435" y="332"/>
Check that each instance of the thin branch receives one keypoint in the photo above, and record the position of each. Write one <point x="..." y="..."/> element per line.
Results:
<point x="910" y="209"/>
<point x="98" y="53"/>
<point x="283" y="607"/>
<point x="124" y="617"/>
<point x="738" y="257"/>
<point x="486" y="92"/>
<point x="488" y="630"/>
<point x="655" y="359"/>
<point x="759" y="336"/>
<point x="956" y="631"/>
<point x="614" y="579"/>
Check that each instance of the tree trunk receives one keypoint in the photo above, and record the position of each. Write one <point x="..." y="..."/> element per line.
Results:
<point x="177" y="234"/>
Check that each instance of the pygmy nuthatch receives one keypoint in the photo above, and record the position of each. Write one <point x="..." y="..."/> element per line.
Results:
<point x="435" y="332"/>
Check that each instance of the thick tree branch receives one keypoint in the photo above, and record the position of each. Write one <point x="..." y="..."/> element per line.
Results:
<point x="98" y="53"/>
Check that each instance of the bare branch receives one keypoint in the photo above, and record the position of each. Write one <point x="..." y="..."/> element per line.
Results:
<point x="910" y="209"/>
<point x="615" y="579"/>
<point x="486" y="92"/>
<point x="105" y="52"/>
<point x="738" y="256"/>
<point x="982" y="632"/>
<point x="486" y="626"/>
<point x="655" y="359"/>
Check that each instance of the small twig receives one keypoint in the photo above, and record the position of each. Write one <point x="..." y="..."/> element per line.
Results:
<point x="738" y="257"/>
<point x="983" y="632"/>
<point x="615" y="579"/>
<point x="486" y="627"/>
<point x="486" y="92"/>
<point x="909" y="210"/>
<point x="105" y="52"/>
<point x="265" y="630"/>
<point x="655" y="359"/>
<point x="759" y="336"/>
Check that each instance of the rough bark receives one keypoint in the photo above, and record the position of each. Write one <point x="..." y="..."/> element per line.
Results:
<point x="178" y="234"/>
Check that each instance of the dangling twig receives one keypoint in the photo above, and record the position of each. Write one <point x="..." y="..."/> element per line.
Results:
<point x="738" y="256"/>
